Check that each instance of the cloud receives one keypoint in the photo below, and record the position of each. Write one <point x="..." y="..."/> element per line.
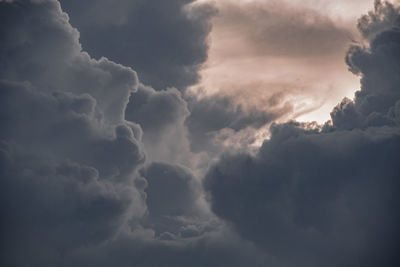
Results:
<point x="209" y="116"/>
<point x="263" y="48"/>
<point x="212" y="250"/>
<point x="377" y="65"/>
<point x="325" y="196"/>
<point x="47" y="53"/>
<point x="174" y="201"/>
<point x="91" y="160"/>
<point x="155" y="111"/>
<point x="281" y="30"/>
<point x="75" y="185"/>
<point x="65" y="183"/>
<point x="55" y="207"/>
<point x="171" y="190"/>
<point x="385" y="15"/>
<point x="68" y="157"/>
<point x="161" y="115"/>
<point x="165" y="42"/>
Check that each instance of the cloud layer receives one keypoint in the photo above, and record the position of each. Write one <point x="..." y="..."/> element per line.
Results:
<point x="326" y="196"/>
<point x="99" y="169"/>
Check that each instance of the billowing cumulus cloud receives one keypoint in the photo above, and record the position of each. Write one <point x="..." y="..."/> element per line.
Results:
<point x="171" y="190"/>
<point x="68" y="158"/>
<point x="175" y="207"/>
<point x="170" y="50"/>
<point x="165" y="41"/>
<point x="47" y="54"/>
<point x="99" y="169"/>
<point x="161" y="115"/>
<point x="76" y="188"/>
<point x="326" y="196"/>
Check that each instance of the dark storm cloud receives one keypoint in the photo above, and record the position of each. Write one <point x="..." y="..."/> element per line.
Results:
<point x="65" y="126"/>
<point x="171" y="190"/>
<point x="212" y="250"/>
<point x="161" y="115"/>
<point x="156" y="110"/>
<point x="386" y="14"/>
<point x="68" y="158"/>
<point x="378" y="65"/>
<point x="52" y="207"/>
<point x="326" y="197"/>
<point x="64" y="182"/>
<point x="56" y="99"/>
<point x="166" y="43"/>
<point x="70" y="188"/>
<point x="173" y="201"/>
<point x="315" y="199"/>
<point x="47" y="53"/>
<point x="162" y="40"/>
<point x="76" y="189"/>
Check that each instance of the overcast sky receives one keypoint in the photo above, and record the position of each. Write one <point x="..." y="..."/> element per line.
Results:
<point x="153" y="133"/>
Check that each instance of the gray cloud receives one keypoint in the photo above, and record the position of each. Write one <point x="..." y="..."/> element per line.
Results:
<point x="68" y="158"/>
<point x="212" y="250"/>
<point x="161" y="115"/>
<point x="325" y="196"/>
<point x="71" y="188"/>
<point x="161" y="40"/>
<point x="211" y="115"/>
<point x="171" y="190"/>
<point x="378" y="66"/>
<point x="155" y="111"/>
<point x="170" y="56"/>
<point x="315" y="199"/>
<point x="65" y="184"/>
<point x="55" y="207"/>
<point x="47" y="54"/>
<point x="76" y="189"/>
<point x="173" y="197"/>
<point x="384" y="16"/>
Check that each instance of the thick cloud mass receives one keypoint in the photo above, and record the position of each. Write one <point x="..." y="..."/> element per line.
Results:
<point x="94" y="165"/>
<point x="161" y="115"/>
<point x="326" y="196"/>
<point x="313" y="198"/>
<point x="170" y="191"/>
<point x="173" y="197"/>
<point x="75" y="186"/>
<point x="165" y="41"/>
<point x="68" y="157"/>
<point x="40" y="46"/>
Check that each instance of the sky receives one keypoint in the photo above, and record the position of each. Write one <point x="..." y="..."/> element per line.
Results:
<point x="182" y="133"/>
<point x="293" y="48"/>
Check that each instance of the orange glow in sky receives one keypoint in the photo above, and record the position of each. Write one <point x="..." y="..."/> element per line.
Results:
<point x="293" y="51"/>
